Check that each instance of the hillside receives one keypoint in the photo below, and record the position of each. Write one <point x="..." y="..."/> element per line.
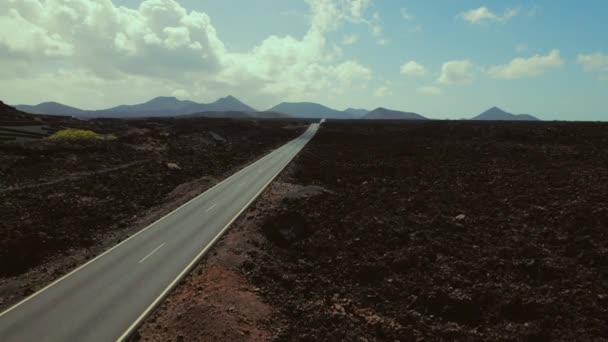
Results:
<point x="387" y="114"/>
<point x="309" y="110"/>
<point x="51" y="108"/>
<point x="497" y="114"/>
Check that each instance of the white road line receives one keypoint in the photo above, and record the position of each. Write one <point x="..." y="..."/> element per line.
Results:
<point x="154" y="251"/>
<point x="211" y="207"/>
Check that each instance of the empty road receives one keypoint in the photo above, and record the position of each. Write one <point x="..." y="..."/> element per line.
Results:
<point x="106" y="298"/>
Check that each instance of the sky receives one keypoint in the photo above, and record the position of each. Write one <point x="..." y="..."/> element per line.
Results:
<point x="441" y="58"/>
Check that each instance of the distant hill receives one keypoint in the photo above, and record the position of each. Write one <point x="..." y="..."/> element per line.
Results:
<point x="159" y="106"/>
<point x="309" y="110"/>
<point x="357" y="113"/>
<point x="51" y="108"/>
<point x="497" y="114"/>
<point x="387" y="114"/>
<point x="229" y="103"/>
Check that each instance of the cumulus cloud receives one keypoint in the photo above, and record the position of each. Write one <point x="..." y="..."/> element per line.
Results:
<point x="412" y="68"/>
<point x="429" y="90"/>
<point x="456" y="72"/>
<point x="595" y="62"/>
<point x="483" y="15"/>
<point x="166" y="49"/>
<point x="382" y="92"/>
<point x="526" y="67"/>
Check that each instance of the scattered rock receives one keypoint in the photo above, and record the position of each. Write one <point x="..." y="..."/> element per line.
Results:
<point x="460" y="217"/>
<point x="173" y="166"/>
<point x="217" y="137"/>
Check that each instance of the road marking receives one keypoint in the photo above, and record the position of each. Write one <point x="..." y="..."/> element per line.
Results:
<point x="241" y="184"/>
<point x="211" y="207"/>
<point x="147" y="256"/>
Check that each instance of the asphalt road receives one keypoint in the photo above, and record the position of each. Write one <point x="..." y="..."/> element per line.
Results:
<point x="107" y="298"/>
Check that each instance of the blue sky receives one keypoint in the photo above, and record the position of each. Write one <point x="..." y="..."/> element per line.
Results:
<point x="547" y="58"/>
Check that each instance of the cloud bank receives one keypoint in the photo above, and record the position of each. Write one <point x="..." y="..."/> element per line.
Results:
<point x="106" y="53"/>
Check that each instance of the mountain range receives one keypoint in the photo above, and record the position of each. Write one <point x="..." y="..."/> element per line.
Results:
<point x="230" y="106"/>
<point x="497" y="114"/>
<point x="159" y="106"/>
<point x="311" y="110"/>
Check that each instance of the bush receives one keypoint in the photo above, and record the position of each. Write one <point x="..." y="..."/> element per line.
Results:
<point x="75" y="134"/>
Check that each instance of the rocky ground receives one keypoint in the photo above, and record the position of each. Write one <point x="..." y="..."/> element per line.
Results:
<point x="62" y="203"/>
<point x="414" y="231"/>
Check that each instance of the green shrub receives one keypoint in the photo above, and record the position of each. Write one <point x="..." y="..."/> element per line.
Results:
<point x="75" y="134"/>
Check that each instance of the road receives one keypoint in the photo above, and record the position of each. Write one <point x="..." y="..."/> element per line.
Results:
<point x="108" y="297"/>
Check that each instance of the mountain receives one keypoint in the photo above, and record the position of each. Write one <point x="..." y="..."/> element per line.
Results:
<point x="387" y="114"/>
<point x="230" y="103"/>
<point x="171" y="106"/>
<point x="498" y="114"/>
<point x="51" y="108"/>
<point x="309" y="110"/>
<point x="358" y="113"/>
<point x="159" y="106"/>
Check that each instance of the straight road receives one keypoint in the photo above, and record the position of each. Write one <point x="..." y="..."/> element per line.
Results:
<point x="108" y="297"/>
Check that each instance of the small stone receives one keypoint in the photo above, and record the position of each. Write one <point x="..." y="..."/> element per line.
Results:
<point x="173" y="166"/>
<point x="460" y="217"/>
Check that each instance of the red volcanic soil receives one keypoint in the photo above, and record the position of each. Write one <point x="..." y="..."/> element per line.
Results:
<point x="442" y="231"/>
<point x="62" y="203"/>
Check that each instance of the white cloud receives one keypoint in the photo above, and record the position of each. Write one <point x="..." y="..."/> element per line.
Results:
<point x="412" y="68"/>
<point x="21" y="37"/>
<point x="358" y="7"/>
<point x="526" y="67"/>
<point x="161" y="48"/>
<point x="405" y="14"/>
<point x="375" y="25"/>
<point x="382" y="92"/>
<point x="595" y="62"/>
<point x="350" y="39"/>
<point x="429" y="90"/>
<point x="456" y="72"/>
<point x="483" y="15"/>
